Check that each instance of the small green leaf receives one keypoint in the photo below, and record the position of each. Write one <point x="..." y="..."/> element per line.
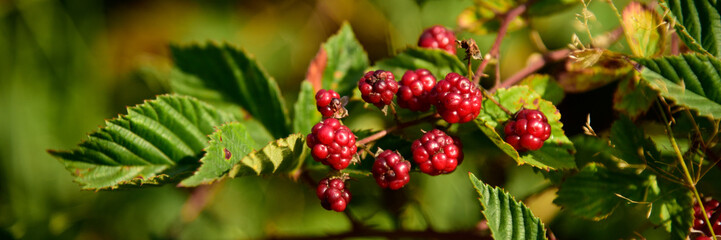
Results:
<point x="157" y="142"/>
<point x="231" y="154"/>
<point x="306" y="114"/>
<point x="345" y="63"/>
<point x="672" y="208"/>
<point x="224" y="74"/>
<point x="557" y="151"/>
<point x="691" y="80"/>
<point x="595" y="192"/>
<point x="592" y="68"/>
<point x="507" y="218"/>
<point x="633" y="98"/>
<point x="439" y="62"/>
<point x="698" y="24"/>
<point x="631" y="145"/>
<point x="545" y="86"/>
<point x="592" y="149"/>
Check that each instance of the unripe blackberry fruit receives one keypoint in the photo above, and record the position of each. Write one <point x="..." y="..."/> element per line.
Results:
<point x="415" y="90"/>
<point x="390" y="170"/>
<point x="457" y="99"/>
<point x="527" y="130"/>
<point x="333" y="194"/>
<point x="438" y="37"/>
<point x="332" y="144"/>
<point x="437" y="153"/>
<point x="378" y="87"/>
<point x="327" y="102"/>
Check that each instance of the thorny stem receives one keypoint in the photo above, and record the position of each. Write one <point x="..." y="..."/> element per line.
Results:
<point x="502" y="30"/>
<point x="687" y="174"/>
<point x="383" y="133"/>
<point x="489" y="97"/>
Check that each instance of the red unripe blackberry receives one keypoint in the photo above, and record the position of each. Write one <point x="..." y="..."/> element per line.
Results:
<point x="333" y="194"/>
<point x="712" y="212"/>
<point x="332" y="143"/>
<point x="390" y="170"/>
<point x="327" y="102"/>
<point x="415" y="90"/>
<point x="527" y="130"/>
<point x="378" y="87"/>
<point x="457" y="99"/>
<point x="437" y="153"/>
<point x="438" y="37"/>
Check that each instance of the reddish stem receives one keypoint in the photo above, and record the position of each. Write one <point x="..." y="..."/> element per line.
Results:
<point x="502" y="30"/>
<point x="383" y="133"/>
<point x="533" y="67"/>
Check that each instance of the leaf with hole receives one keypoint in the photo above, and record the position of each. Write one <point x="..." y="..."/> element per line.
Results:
<point x="157" y="142"/>
<point x="231" y="153"/>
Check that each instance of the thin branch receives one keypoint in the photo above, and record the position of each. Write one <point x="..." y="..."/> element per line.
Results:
<point x="383" y="133"/>
<point x="502" y="30"/>
<point x="549" y="57"/>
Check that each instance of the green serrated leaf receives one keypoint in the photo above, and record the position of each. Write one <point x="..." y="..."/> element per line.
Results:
<point x="691" y="80"/>
<point x="306" y="114"/>
<point x="631" y="145"/>
<point x="507" y="218"/>
<point x="346" y="61"/>
<point x="224" y="74"/>
<point x="228" y="145"/>
<point x="157" y="142"/>
<point x="698" y="24"/>
<point x="280" y="156"/>
<point x="672" y="208"/>
<point x="545" y="86"/>
<point x="231" y="154"/>
<point x="437" y="61"/>
<point x="595" y="192"/>
<point x="633" y="98"/>
<point x="557" y="151"/>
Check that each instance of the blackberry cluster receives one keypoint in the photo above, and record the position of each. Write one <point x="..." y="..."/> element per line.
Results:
<point x="332" y="143"/>
<point x="714" y="215"/>
<point x="457" y="99"/>
<point x="528" y="130"/>
<point x="390" y="170"/>
<point x="333" y="194"/>
<point x="438" y="37"/>
<point x="378" y="87"/>
<point x="415" y="90"/>
<point x="437" y="153"/>
<point x="327" y="102"/>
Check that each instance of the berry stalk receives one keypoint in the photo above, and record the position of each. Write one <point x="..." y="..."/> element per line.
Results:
<point x="489" y="97"/>
<point x="385" y="132"/>
<point x="509" y="16"/>
<point x="687" y="174"/>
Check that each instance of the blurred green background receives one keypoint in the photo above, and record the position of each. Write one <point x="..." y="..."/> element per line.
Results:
<point x="67" y="65"/>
